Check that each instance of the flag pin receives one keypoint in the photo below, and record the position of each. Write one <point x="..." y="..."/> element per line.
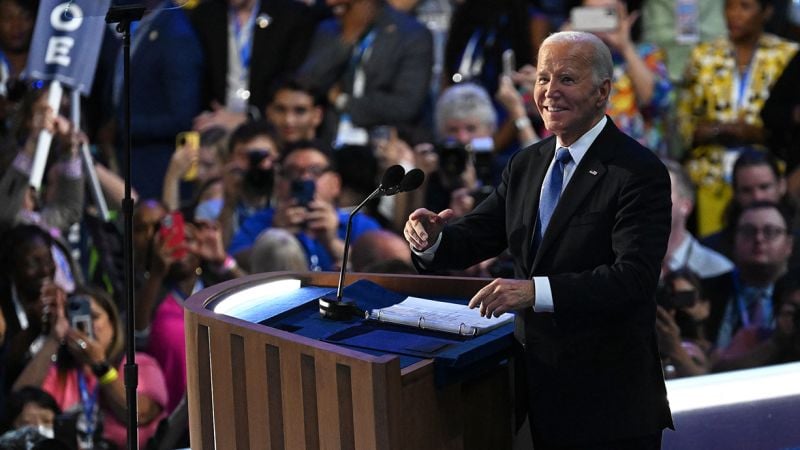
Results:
<point x="593" y="172"/>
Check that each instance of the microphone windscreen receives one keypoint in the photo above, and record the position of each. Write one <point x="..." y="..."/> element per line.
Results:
<point x="412" y="180"/>
<point x="393" y="176"/>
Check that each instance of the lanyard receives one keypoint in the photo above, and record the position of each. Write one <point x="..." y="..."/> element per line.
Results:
<point x="360" y="53"/>
<point x="472" y="59"/>
<point x="88" y="402"/>
<point x="741" y="85"/>
<point x="360" y="50"/>
<point x="243" y="35"/>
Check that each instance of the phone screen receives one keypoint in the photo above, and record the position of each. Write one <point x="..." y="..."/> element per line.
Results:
<point x="509" y="62"/>
<point x="594" y="18"/>
<point x="79" y="311"/>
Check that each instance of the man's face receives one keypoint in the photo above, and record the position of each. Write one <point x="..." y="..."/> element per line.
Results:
<point x="762" y="239"/>
<point x="309" y="164"/>
<point x="757" y="183"/>
<point x="16" y="27"/>
<point x="565" y="92"/>
<point x="294" y="115"/>
<point x="465" y="130"/>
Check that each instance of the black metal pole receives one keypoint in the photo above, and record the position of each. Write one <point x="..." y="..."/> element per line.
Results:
<point x="123" y="16"/>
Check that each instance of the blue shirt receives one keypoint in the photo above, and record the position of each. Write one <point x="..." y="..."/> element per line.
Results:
<point x="316" y="253"/>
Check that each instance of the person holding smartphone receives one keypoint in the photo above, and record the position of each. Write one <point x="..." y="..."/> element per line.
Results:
<point x="307" y="191"/>
<point x="82" y="370"/>
<point x="640" y="91"/>
<point x="680" y="316"/>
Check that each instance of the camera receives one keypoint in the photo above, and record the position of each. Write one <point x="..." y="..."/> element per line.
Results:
<point x="79" y="312"/>
<point x="668" y="298"/>
<point x="256" y="156"/>
<point x="452" y="158"/>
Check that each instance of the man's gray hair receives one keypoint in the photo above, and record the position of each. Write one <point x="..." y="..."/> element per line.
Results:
<point x="465" y="101"/>
<point x="602" y="64"/>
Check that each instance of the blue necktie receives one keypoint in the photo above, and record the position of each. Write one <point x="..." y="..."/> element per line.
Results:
<point x="551" y="192"/>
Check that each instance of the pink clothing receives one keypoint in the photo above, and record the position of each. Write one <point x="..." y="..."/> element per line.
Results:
<point x="167" y="344"/>
<point x="63" y="386"/>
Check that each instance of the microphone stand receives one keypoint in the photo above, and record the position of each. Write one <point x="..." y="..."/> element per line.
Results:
<point x="334" y="307"/>
<point x="123" y="16"/>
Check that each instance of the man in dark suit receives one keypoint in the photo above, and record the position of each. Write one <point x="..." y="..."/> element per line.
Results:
<point x="374" y="65"/>
<point x="587" y="268"/>
<point x="248" y="45"/>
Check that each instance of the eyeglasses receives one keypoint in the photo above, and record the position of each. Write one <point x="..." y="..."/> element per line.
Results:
<point x="769" y="232"/>
<point x="296" y="173"/>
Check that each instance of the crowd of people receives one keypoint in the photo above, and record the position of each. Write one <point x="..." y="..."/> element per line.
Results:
<point x="256" y="127"/>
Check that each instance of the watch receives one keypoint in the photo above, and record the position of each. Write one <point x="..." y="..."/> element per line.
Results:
<point x="522" y="123"/>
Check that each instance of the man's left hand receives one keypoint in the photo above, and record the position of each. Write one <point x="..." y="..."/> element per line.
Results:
<point x="503" y="295"/>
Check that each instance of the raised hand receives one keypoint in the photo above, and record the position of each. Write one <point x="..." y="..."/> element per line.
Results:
<point x="423" y="227"/>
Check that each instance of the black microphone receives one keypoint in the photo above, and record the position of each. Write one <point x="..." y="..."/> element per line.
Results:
<point x="334" y="307"/>
<point x="412" y="180"/>
<point x="392" y="178"/>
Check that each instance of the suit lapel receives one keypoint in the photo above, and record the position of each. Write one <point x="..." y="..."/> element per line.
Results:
<point x="261" y="38"/>
<point x="586" y="176"/>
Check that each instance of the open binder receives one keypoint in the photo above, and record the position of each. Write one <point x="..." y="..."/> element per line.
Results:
<point x="439" y="316"/>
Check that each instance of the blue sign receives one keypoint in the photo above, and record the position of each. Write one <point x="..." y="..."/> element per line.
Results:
<point x="66" y="42"/>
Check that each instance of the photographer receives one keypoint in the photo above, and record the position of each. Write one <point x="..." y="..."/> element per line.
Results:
<point x="680" y="313"/>
<point x="80" y="364"/>
<point x="307" y="193"/>
<point x="464" y="115"/>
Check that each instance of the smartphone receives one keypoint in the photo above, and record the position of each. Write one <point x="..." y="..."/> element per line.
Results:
<point x="509" y="62"/>
<point x="191" y="140"/>
<point x="173" y="233"/>
<point x="79" y="312"/>
<point x="594" y="18"/>
<point x="303" y="191"/>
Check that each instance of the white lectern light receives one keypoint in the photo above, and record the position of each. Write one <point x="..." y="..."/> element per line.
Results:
<point x="238" y="302"/>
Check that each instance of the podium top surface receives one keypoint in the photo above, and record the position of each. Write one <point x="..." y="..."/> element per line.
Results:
<point x="296" y="310"/>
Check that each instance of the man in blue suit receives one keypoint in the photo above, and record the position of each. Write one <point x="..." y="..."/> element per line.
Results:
<point x="586" y="217"/>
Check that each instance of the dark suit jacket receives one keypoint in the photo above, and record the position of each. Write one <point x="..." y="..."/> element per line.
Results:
<point x="165" y="91"/>
<point x="397" y="72"/>
<point x="277" y="50"/>
<point x="593" y="365"/>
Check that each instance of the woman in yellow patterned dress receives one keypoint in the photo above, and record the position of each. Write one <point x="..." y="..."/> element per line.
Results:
<point x="726" y="84"/>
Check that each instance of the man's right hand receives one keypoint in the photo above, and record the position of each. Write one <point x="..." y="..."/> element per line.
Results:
<point x="423" y="227"/>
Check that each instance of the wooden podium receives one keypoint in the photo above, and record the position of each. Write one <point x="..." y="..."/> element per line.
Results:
<point x="251" y="386"/>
